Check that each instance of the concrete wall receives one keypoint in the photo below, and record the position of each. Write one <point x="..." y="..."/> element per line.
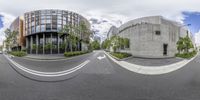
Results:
<point x="143" y="39"/>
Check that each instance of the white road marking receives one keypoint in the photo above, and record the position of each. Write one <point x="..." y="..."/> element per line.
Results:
<point x="101" y="57"/>
<point x="48" y="74"/>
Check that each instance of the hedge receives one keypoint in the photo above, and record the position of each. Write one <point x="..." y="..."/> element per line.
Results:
<point x="120" y="55"/>
<point x="75" y="53"/>
<point x="186" y="55"/>
<point x="18" y="53"/>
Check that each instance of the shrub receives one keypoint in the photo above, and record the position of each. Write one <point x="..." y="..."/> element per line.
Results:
<point x="18" y="53"/>
<point x="120" y="55"/>
<point x="186" y="55"/>
<point x="75" y="53"/>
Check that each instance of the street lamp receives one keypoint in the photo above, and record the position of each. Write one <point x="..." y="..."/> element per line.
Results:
<point x="183" y="26"/>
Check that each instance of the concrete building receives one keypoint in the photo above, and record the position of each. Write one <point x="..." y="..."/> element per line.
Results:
<point x="41" y="28"/>
<point x="151" y="37"/>
<point x="113" y="31"/>
<point x="19" y="42"/>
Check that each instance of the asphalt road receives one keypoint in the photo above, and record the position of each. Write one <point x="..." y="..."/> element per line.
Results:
<point x="104" y="80"/>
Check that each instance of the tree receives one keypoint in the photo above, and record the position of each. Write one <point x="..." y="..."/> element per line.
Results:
<point x="106" y="44"/>
<point x="184" y="44"/>
<point x="10" y="38"/>
<point x="84" y="31"/>
<point x="180" y="45"/>
<point x="1" y="47"/>
<point x="74" y="34"/>
<point x="188" y="44"/>
<point x="95" y="45"/>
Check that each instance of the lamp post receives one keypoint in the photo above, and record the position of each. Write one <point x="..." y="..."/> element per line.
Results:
<point x="183" y="26"/>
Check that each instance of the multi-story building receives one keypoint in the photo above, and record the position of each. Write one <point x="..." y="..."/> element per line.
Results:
<point x="112" y="31"/>
<point x="42" y="27"/>
<point x="152" y="37"/>
<point x="19" y="42"/>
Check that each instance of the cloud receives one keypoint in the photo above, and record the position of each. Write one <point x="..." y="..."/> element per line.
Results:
<point x="107" y="12"/>
<point x="7" y="20"/>
<point x="197" y="38"/>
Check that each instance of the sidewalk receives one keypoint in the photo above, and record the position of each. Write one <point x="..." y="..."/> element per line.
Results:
<point x="153" y="62"/>
<point x="46" y="56"/>
<point x="151" y="70"/>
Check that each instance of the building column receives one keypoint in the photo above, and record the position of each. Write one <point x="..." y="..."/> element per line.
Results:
<point x="43" y="42"/>
<point x="51" y="42"/>
<point x="37" y="43"/>
<point x="31" y="44"/>
<point x="58" y="43"/>
<point x="27" y="44"/>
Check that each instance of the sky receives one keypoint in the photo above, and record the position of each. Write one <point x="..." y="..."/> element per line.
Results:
<point x="102" y="14"/>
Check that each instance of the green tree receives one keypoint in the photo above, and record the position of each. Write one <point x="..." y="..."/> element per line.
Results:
<point x="180" y="45"/>
<point x="106" y="44"/>
<point x="184" y="44"/>
<point x="10" y="38"/>
<point x="34" y="46"/>
<point x="95" y="45"/>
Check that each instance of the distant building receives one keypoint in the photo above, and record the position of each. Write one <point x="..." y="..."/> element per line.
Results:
<point x="113" y="31"/>
<point x="151" y="37"/>
<point x="19" y="42"/>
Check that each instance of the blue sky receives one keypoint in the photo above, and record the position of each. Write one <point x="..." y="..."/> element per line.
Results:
<point x="1" y="23"/>
<point x="192" y="18"/>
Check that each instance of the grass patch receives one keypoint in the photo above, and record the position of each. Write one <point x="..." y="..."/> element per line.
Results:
<point x="75" y="53"/>
<point x="18" y="53"/>
<point x="186" y="55"/>
<point x="120" y="55"/>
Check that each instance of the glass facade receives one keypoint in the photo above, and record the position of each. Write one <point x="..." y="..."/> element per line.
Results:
<point x="42" y="27"/>
<point x="49" y="20"/>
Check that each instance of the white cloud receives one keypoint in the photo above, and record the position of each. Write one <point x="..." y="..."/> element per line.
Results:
<point x="197" y="38"/>
<point x="7" y="20"/>
<point x="112" y="10"/>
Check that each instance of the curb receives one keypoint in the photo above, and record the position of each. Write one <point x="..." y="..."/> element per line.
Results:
<point x="118" y="58"/>
<point x="46" y="76"/>
<point x="151" y="70"/>
<point x="59" y="59"/>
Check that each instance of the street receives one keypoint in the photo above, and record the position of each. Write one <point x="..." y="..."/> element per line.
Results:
<point x="102" y="79"/>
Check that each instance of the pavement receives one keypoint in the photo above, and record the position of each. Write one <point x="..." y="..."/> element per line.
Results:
<point x="45" y="57"/>
<point x="151" y="70"/>
<point x="102" y="79"/>
<point x="156" y="62"/>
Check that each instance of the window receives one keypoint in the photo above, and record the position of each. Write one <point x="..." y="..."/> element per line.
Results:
<point x="42" y="17"/>
<point x="59" y="17"/>
<point x="54" y="17"/>
<point x="157" y="32"/>
<point x="54" y="27"/>
<point x="48" y="17"/>
<point x="64" y="22"/>
<point x="32" y="30"/>
<point x="32" y="23"/>
<point x="42" y="21"/>
<point x="59" y="22"/>
<point x="48" y="27"/>
<point x="54" y="22"/>
<point x="59" y="27"/>
<point x="48" y="21"/>
<point x="37" y="29"/>
<point x="42" y="27"/>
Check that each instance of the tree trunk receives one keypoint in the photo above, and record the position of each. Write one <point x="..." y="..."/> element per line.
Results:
<point x="65" y="43"/>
